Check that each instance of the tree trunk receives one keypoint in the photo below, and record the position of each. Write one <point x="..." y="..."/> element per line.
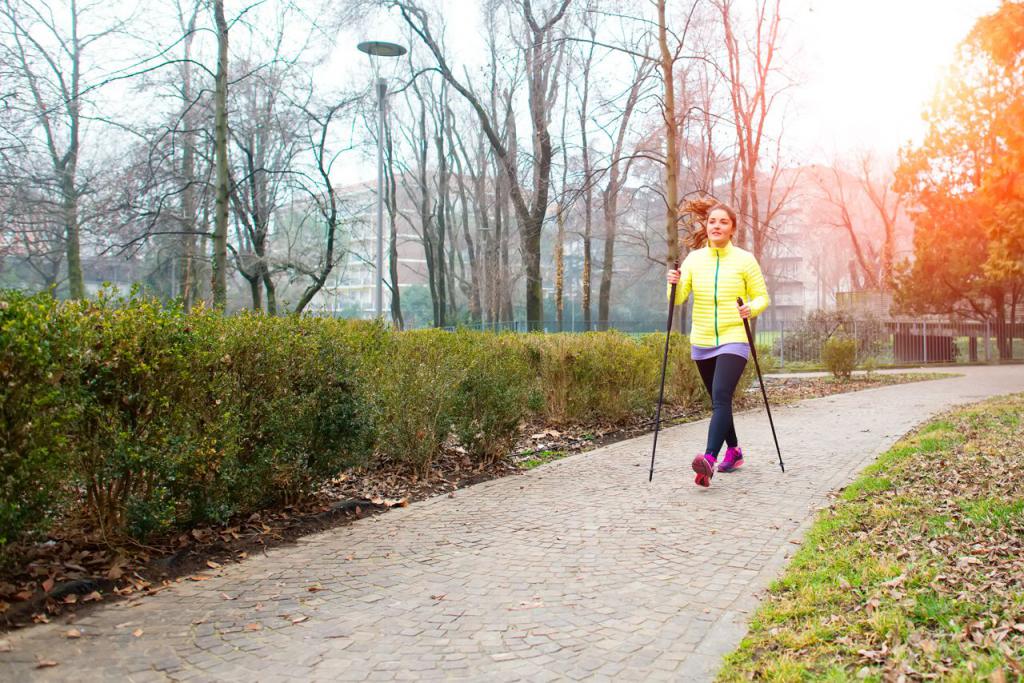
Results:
<point x="69" y="170"/>
<point x="76" y="280"/>
<point x="391" y="200"/>
<point x="440" y="263"/>
<point x="560" y="268"/>
<point x="611" y="219"/>
<point x="256" y="292"/>
<point x="186" y="267"/>
<point x="671" y="145"/>
<point x="1004" y="340"/>
<point x="220" y="229"/>
<point x="268" y="285"/>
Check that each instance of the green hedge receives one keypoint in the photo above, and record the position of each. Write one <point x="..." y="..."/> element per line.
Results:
<point x="143" y="419"/>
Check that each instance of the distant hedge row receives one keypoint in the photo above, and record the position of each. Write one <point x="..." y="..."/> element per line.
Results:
<point x="145" y="418"/>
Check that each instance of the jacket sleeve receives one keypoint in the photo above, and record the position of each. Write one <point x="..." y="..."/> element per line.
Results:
<point x="757" y="291"/>
<point x="685" y="284"/>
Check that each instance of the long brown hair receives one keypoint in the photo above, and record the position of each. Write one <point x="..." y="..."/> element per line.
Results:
<point x="694" y="218"/>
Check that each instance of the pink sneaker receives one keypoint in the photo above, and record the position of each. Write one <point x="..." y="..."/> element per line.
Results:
<point x="704" y="466"/>
<point x="733" y="459"/>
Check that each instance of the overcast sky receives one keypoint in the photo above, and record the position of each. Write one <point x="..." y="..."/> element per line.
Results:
<point x="864" y="69"/>
<point x="871" y="66"/>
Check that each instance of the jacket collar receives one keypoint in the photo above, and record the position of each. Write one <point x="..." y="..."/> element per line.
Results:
<point x="724" y="251"/>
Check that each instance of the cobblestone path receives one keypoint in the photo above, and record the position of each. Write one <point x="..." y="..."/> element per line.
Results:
<point x="579" y="569"/>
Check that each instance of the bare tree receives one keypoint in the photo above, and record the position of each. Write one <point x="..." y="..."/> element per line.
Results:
<point x="220" y="146"/>
<point x="48" y="45"/>
<point x="189" y="205"/>
<point x="667" y="66"/>
<point x="752" y="94"/>
<point x="587" y="171"/>
<point x="618" y="172"/>
<point x="329" y="215"/>
<point x="543" y="58"/>
<point x="887" y="206"/>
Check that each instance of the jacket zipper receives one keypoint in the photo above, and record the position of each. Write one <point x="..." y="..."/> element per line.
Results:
<point x="718" y="263"/>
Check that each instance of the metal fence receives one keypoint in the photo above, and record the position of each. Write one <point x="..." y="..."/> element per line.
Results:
<point x="899" y="342"/>
<point x="881" y="342"/>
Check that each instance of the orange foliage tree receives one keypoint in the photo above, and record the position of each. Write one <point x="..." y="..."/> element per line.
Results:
<point x="965" y="183"/>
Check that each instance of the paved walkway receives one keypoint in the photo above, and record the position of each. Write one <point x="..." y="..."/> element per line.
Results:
<point x="577" y="570"/>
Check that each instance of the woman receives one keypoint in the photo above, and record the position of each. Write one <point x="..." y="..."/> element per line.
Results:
<point x="717" y="273"/>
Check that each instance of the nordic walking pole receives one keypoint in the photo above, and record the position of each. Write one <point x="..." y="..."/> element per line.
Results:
<point x="760" y="380"/>
<point x="664" y="364"/>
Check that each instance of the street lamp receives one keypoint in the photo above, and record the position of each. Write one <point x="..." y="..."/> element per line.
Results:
<point x="379" y="48"/>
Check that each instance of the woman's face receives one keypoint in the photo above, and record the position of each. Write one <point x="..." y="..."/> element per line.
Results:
<point x="719" y="228"/>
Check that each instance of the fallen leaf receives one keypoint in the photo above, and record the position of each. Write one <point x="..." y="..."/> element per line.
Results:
<point x="314" y="589"/>
<point x="70" y="599"/>
<point x="299" y="620"/>
<point x="48" y="585"/>
<point x="253" y="627"/>
<point x="212" y="565"/>
<point x="227" y="597"/>
<point x="73" y="633"/>
<point x="92" y="597"/>
<point x="896" y="581"/>
<point x="1014" y="664"/>
<point x="138" y="632"/>
<point x="45" y="663"/>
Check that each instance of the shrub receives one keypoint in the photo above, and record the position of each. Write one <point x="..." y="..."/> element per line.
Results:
<point x="411" y="384"/>
<point x="33" y="414"/>
<point x="683" y="386"/>
<point x="494" y="394"/>
<point x="810" y="335"/>
<point x="605" y="376"/>
<point x="294" y="405"/>
<point x="839" y="354"/>
<point x="154" y="418"/>
<point x="145" y="418"/>
<point x="133" y="374"/>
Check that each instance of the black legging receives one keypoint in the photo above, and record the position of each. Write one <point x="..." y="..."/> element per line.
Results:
<point x="721" y="374"/>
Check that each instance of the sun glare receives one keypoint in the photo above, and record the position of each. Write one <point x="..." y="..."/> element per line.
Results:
<point x="871" y="66"/>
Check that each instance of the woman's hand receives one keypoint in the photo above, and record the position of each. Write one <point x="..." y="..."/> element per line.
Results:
<point x="744" y="311"/>
<point x="673" y="277"/>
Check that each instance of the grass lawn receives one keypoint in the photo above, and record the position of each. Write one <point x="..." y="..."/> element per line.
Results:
<point x="916" y="572"/>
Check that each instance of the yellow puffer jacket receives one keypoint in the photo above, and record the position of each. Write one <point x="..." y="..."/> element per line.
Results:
<point x="716" y="277"/>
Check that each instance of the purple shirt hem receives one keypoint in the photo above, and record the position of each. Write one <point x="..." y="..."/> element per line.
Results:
<point x="705" y="352"/>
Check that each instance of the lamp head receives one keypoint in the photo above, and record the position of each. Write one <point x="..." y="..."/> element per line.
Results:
<point x="380" y="48"/>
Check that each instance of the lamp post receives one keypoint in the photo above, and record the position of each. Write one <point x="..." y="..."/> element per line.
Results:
<point x="379" y="48"/>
